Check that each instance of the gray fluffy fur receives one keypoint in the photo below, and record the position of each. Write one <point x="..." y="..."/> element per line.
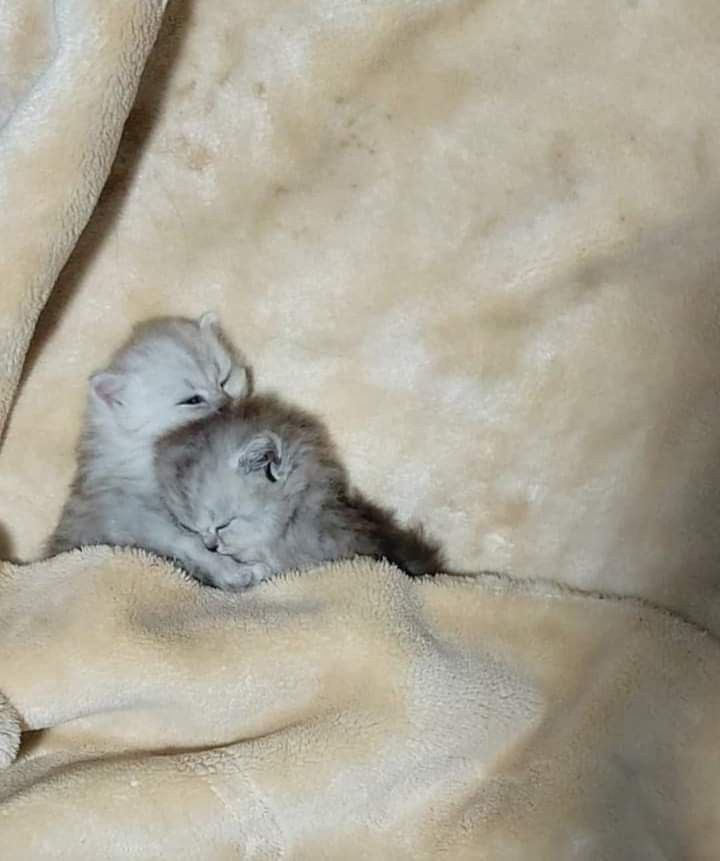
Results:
<point x="260" y="482"/>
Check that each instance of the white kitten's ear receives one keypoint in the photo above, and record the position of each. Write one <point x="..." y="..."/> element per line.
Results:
<point x="262" y="452"/>
<point x="208" y="320"/>
<point x="237" y="384"/>
<point x="108" y="387"/>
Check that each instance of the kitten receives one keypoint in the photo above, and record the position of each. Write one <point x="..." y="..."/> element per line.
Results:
<point x="260" y="482"/>
<point x="172" y="371"/>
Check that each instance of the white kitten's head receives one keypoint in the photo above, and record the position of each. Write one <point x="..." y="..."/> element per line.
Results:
<point x="171" y="372"/>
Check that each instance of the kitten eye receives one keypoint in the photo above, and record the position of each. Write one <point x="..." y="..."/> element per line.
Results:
<point x="193" y="401"/>
<point x="269" y="471"/>
<point x="222" y="526"/>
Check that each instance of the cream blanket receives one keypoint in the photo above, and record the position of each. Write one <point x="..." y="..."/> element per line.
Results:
<point x="481" y="240"/>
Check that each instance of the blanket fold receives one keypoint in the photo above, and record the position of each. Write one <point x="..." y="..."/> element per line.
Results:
<point x="9" y="732"/>
<point x="480" y="240"/>
<point x="56" y="150"/>
<point x="350" y="711"/>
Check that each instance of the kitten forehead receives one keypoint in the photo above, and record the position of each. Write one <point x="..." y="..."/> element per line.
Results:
<point x="175" y="344"/>
<point x="239" y="423"/>
<point x="208" y="453"/>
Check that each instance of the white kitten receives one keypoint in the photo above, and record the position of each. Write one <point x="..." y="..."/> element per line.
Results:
<point x="171" y="372"/>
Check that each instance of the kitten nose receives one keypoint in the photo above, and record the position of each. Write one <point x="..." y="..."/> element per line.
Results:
<point x="211" y="542"/>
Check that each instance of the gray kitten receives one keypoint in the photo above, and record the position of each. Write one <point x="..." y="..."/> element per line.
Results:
<point x="260" y="482"/>
<point x="171" y="372"/>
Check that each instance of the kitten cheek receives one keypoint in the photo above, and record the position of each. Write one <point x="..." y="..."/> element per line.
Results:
<point x="127" y="424"/>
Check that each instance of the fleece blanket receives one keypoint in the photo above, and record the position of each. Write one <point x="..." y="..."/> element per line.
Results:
<point x="480" y="239"/>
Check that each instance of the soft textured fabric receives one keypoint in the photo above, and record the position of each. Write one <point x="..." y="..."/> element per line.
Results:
<point x="59" y="134"/>
<point x="351" y="713"/>
<point x="481" y="240"/>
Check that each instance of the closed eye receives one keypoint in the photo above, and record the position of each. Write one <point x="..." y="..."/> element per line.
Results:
<point x="192" y="401"/>
<point x="193" y="530"/>
<point x="224" y="525"/>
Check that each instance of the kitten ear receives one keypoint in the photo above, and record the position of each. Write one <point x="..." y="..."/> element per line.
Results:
<point x="263" y="451"/>
<point x="237" y="384"/>
<point x="107" y="387"/>
<point x="208" y="320"/>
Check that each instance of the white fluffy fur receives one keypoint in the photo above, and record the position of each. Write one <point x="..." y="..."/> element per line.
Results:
<point x="171" y="372"/>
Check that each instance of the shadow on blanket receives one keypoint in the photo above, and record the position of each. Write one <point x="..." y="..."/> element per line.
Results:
<point x="6" y="544"/>
<point x="152" y="95"/>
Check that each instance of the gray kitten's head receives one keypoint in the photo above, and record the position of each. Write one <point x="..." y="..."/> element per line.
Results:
<point x="171" y="372"/>
<point x="237" y="479"/>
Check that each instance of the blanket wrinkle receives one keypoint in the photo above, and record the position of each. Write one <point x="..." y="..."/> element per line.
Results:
<point x="479" y="239"/>
<point x="69" y="123"/>
<point x="9" y="732"/>
<point x="428" y="737"/>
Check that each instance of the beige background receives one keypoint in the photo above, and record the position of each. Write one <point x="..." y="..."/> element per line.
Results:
<point x="479" y="238"/>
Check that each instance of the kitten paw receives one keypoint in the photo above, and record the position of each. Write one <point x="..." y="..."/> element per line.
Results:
<point x="252" y="572"/>
<point x="234" y="576"/>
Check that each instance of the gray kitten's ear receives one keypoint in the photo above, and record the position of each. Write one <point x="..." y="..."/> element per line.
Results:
<point x="108" y="387"/>
<point x="262" y="452"/>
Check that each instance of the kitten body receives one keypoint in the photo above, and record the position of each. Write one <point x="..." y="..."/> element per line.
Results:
<point x="261" y="482"/>
<point x="171" y="372"/>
